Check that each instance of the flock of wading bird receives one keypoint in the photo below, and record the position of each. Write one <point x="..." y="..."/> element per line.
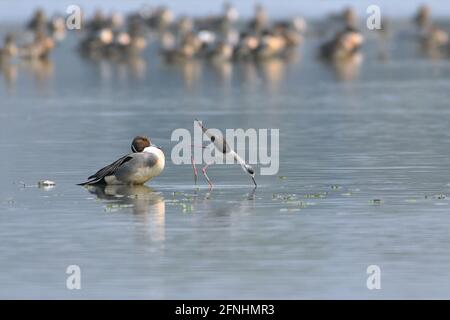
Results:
<point x="221" y="38"/>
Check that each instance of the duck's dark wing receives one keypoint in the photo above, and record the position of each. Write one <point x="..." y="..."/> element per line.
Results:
<point x="106" y="171"/>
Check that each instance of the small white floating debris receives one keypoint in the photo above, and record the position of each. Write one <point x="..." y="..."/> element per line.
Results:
<point x="46" y="184"/>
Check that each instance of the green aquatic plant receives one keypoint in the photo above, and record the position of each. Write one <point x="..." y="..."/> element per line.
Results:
<point x="284" y="197"/>
<point x="319" y="195"/>
<point x="176" y="193"/>
<point x="376" y="202"/>
<point x="113" y="207"/>
<point x="186" y="207"/>
<point x="289" y="209"/>
<point x="302" y="204"/>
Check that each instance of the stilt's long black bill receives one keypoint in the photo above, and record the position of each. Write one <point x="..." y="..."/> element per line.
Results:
<point x="254" y="182"/>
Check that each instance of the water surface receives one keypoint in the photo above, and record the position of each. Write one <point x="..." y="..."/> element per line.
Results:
<point x="347" y="137"/>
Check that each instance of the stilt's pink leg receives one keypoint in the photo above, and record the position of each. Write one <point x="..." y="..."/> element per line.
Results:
<point x="206" y="176"/>
<point x="195" y="171"/>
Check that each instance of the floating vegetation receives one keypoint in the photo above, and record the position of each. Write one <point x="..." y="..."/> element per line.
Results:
<point x="24" y="185"/>
<point x="336" y="187"/>
<point x="289" y="210"/>
<point x="284" y="197"/>
<point x="282" y="177"/>
<point x="411" y="200"/>
<point x="113" y="207"/>
<point x="319" y="195"/>
<point x="184" y="201"/>
<point x="9" y="201"/>
<point x="347" y="194"/>
<point x="437" y="196"/>
<point x="186" y="208"/>
<point x="376" y="202"/>
<point x="292" y="201"/>
<point x="302" y="204"/>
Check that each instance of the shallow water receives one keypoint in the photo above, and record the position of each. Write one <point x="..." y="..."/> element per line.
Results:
<point x="381" y="136"/>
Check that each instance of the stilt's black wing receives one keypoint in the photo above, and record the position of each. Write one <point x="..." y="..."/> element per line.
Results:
<point x="106" y="171"/>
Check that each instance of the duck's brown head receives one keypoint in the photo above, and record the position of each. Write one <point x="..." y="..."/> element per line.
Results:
<point x="140" y="143"/>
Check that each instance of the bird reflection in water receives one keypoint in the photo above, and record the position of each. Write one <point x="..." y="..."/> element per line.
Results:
<point x="272" y="72"/>
<point x="223" y="70"/>
<point x="191" y="70"/>
<point x="41" y="69"/>
<point x="9" y="73"/>
<point x="201" y="202"/>
<point x="147" y="205"/>
<point x="347" y="69"/>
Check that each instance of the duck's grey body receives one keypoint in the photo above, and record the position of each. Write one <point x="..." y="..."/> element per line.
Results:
<point x="134" y="168"/>
<point x="138" y="170"/>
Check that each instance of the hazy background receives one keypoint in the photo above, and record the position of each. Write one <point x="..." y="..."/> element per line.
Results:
<point x="19" y="9"/>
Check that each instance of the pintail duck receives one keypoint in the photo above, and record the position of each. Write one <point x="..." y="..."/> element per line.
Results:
<point x="40" y="48"/>
<point x="38" y="21"/>
<point x="190" y="46"/>
<point x="246" y="46"/>
<point x="270" y="45"/>
<point x="350" y="18"/>
<point x="260" y="20"/>
<point x="345" y="44"/>
<point x="222" y="52"/>
<point x="57" y="27"/>
<point x="423" y="17"/>
<point x="435" y="38"/>
<point x="144" y="163"/>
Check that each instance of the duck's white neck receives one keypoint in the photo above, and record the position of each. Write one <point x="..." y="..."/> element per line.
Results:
<point x="156" y="151"/>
